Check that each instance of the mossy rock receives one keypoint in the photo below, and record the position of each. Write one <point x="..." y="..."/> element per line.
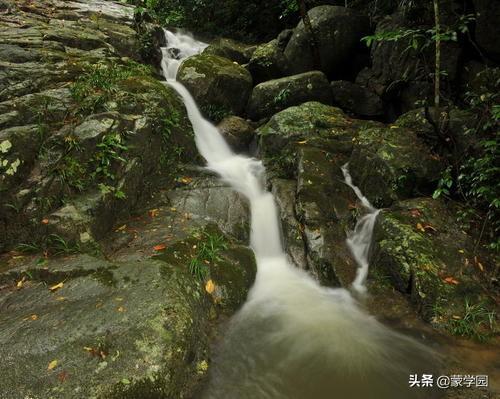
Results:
<point x="217" y="82"/>
<point x="390" y="162"/>
<point x="270" y="97"/>
<point x="268" y="62"/>
<point x="230" y="49"/>
<point x="426" y="255"/>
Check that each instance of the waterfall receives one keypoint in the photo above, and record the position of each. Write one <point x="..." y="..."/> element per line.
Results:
<point x="359" y="240"/>
<point x="293" y="339"/>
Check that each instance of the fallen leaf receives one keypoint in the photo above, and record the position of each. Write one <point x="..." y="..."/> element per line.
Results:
<point x="20" y="283"/>
<point x="451" y="280"/>
<point x="62" y="376"/>
<point x="57" y="286"/>
<point x="456" y="317"/>
<point x="302" y="142"/>
<point x="34" y="317"/>
<point x="52" y="365"/>
<point x="186" y="180"/>
<point x="88" y="348"/>
<point x="121" y="309"/>
<point x="61" y="298"/>
<point x="461" y="251"/>
<point x="415" y="213"/>
<point x="420" y="227"/>
<point x="153" y="213"/>
<point x="210" y="286"/>
<point x="159" y="247"/>
<point x="121" y="228"/>
<point x="45" y="221"/>
<point x="427" y="226"/>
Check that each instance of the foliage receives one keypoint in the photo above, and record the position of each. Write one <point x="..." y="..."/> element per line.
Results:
<point x="98" y="83"/>
<point x="474" y="323"/>
<point x="207" y="252"/>
<point x="215" y="112"/>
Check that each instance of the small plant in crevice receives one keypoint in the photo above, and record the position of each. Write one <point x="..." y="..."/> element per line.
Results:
<point x="282" y="96"/>
<point x="215" y="112"/>
<point x="207" y="252"/>
<point x="477" y="322"/>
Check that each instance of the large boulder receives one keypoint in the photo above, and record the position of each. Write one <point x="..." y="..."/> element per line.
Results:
<point x="268" y="62"/>
<point x="356" y="99"/>
<point x="425" y="254"/>
<point x="88" y="327"/>
<point x="274" y="95"/>
<point x="231" y="49"/>
<point x="338" y="31"/>
<point x="391" y="162"/>
<point x="216" y="82"/>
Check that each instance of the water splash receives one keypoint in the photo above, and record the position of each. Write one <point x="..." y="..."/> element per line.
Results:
<point x="293" y="339"/>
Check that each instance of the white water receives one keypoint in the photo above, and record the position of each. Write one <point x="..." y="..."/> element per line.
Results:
<point x="359" y="240"/>
<point x="293" y="339"/>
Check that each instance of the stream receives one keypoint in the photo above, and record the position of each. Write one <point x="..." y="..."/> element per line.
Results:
<point x="294" y="339"/>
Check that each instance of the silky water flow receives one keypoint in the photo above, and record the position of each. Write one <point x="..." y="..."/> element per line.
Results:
<point x="294" y="339"/>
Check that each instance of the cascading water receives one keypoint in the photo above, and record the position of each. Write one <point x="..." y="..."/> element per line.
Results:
<point x="359" y="241"/>
<point x="293" y="339"/>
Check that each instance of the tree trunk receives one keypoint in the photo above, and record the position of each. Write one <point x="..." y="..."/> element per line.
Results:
<point x="437" y="71"/>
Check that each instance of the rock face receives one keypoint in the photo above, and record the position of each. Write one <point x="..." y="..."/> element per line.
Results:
<point x="425" y="253"/>
<point x="338" y="32"/>
<point x="117" y="329"/>
<point x="230" y="49"/>
<point x="356" y="99"/>
<point x="216" y="82"/>
<point x="272" y="96"/>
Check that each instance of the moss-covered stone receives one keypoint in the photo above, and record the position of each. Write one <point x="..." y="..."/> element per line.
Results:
<point x="216" y="81"/>
<point x="231" y="49"/>
<point x="268" y="62"/>
<point x="419" y="244"/>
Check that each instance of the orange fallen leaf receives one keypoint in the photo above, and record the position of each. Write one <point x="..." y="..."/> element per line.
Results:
<point x="56" y="287"/>
<point x="62" y="376"/>
<point x="210" y="286"/>
<point x="34" y="317"/>
<point x="52" y="365"/>
<point x="159" y="247"/>
<point x="153" y="213"/>
<point x="480" y="265"/>
<point x="45" y="221"/>
<point x="420" y="227"/>
<point x="186" y="180"/>
<point x="450" y="280"/>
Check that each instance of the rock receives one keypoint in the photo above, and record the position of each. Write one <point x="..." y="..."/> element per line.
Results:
<point x="356" y="99"/>
<point x="283" y="38"/>
<point x="284" y="193"/>
<point x="426" y="255"/>
<point x="217" y="82"/>
<point x="486" y="27"/>
<point x="238" y="132"/>
<point x="83" y="122"/>
<point x="118" y="329"/>
<point x="393" y="162"/>
<point x="230" y="49"/>
<point x="268" y="62"/>
<point x="338" y="32"/>
<point x="272" y="96"/>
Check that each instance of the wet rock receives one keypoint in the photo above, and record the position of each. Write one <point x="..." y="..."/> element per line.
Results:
<point x="230" y="49"/>
<point x="426" y="255"/>
<point x="393" y="162"/>
<point x="118" y="329"/>
<point x="268" y="62"/>
<point x="217" y="82"/>
<point x="338" y="32"/>
<point x="272" y="96"/>
<point x="284" y="192"/>
<point x="238" y="132"/>
<point x="356" y="99"/>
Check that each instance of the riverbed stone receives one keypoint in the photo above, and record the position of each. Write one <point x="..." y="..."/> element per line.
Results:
<point x="274" y="95"/>
<point x="268" y="62"/>
<point x="238" y="132"/>
<point x="231" y="49"/>
<point x="217" y="82"/>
